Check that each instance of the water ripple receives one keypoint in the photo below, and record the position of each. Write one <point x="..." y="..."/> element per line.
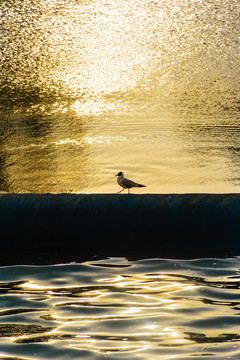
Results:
<point x="121" y="309"/>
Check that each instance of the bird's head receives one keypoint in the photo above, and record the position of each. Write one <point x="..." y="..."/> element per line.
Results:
<point x="120" y="174"/>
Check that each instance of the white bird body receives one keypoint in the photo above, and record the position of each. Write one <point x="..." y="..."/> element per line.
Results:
<point x="126" y="183"/>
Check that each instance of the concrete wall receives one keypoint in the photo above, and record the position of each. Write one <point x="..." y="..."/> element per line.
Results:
<point x="48" y="228"/>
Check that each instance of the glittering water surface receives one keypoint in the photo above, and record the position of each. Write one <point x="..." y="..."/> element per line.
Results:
<point x="120" y="309"/>
<point x="89" y="88"/>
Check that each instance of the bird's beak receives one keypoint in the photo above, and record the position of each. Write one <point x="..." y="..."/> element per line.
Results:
<point x="116" y="175"/>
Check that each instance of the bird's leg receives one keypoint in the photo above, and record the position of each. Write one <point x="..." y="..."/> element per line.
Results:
<point x="120" y="191"/>
<point x="128" y="191"/>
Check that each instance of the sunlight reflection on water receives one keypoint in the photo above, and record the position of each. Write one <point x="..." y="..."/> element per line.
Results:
<point x="116" y="308"/>
<point x="151" y="89"/>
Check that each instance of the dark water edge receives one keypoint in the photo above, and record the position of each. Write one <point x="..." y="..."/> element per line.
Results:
<point x="51" y="228"/>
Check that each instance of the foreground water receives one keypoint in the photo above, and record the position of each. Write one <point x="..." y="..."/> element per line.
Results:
<point x="91" y="88"/>
<point x="120" y="309"/>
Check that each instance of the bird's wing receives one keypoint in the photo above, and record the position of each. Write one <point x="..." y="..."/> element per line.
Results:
<point x="128" y="183"/>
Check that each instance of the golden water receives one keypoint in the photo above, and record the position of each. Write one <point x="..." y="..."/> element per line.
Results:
<point x="118" y="309"/>
<point x="90" y="88"/>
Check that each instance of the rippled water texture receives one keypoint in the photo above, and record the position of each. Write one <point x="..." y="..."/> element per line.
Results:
<point x="119" y="309"/>
<point x="89" y="88"/>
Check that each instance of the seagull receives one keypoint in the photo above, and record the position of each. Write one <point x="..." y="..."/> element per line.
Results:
<point x="126" y="183"/>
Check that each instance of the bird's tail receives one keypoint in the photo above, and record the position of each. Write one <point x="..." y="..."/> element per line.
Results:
<point x="140" y="185"/>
